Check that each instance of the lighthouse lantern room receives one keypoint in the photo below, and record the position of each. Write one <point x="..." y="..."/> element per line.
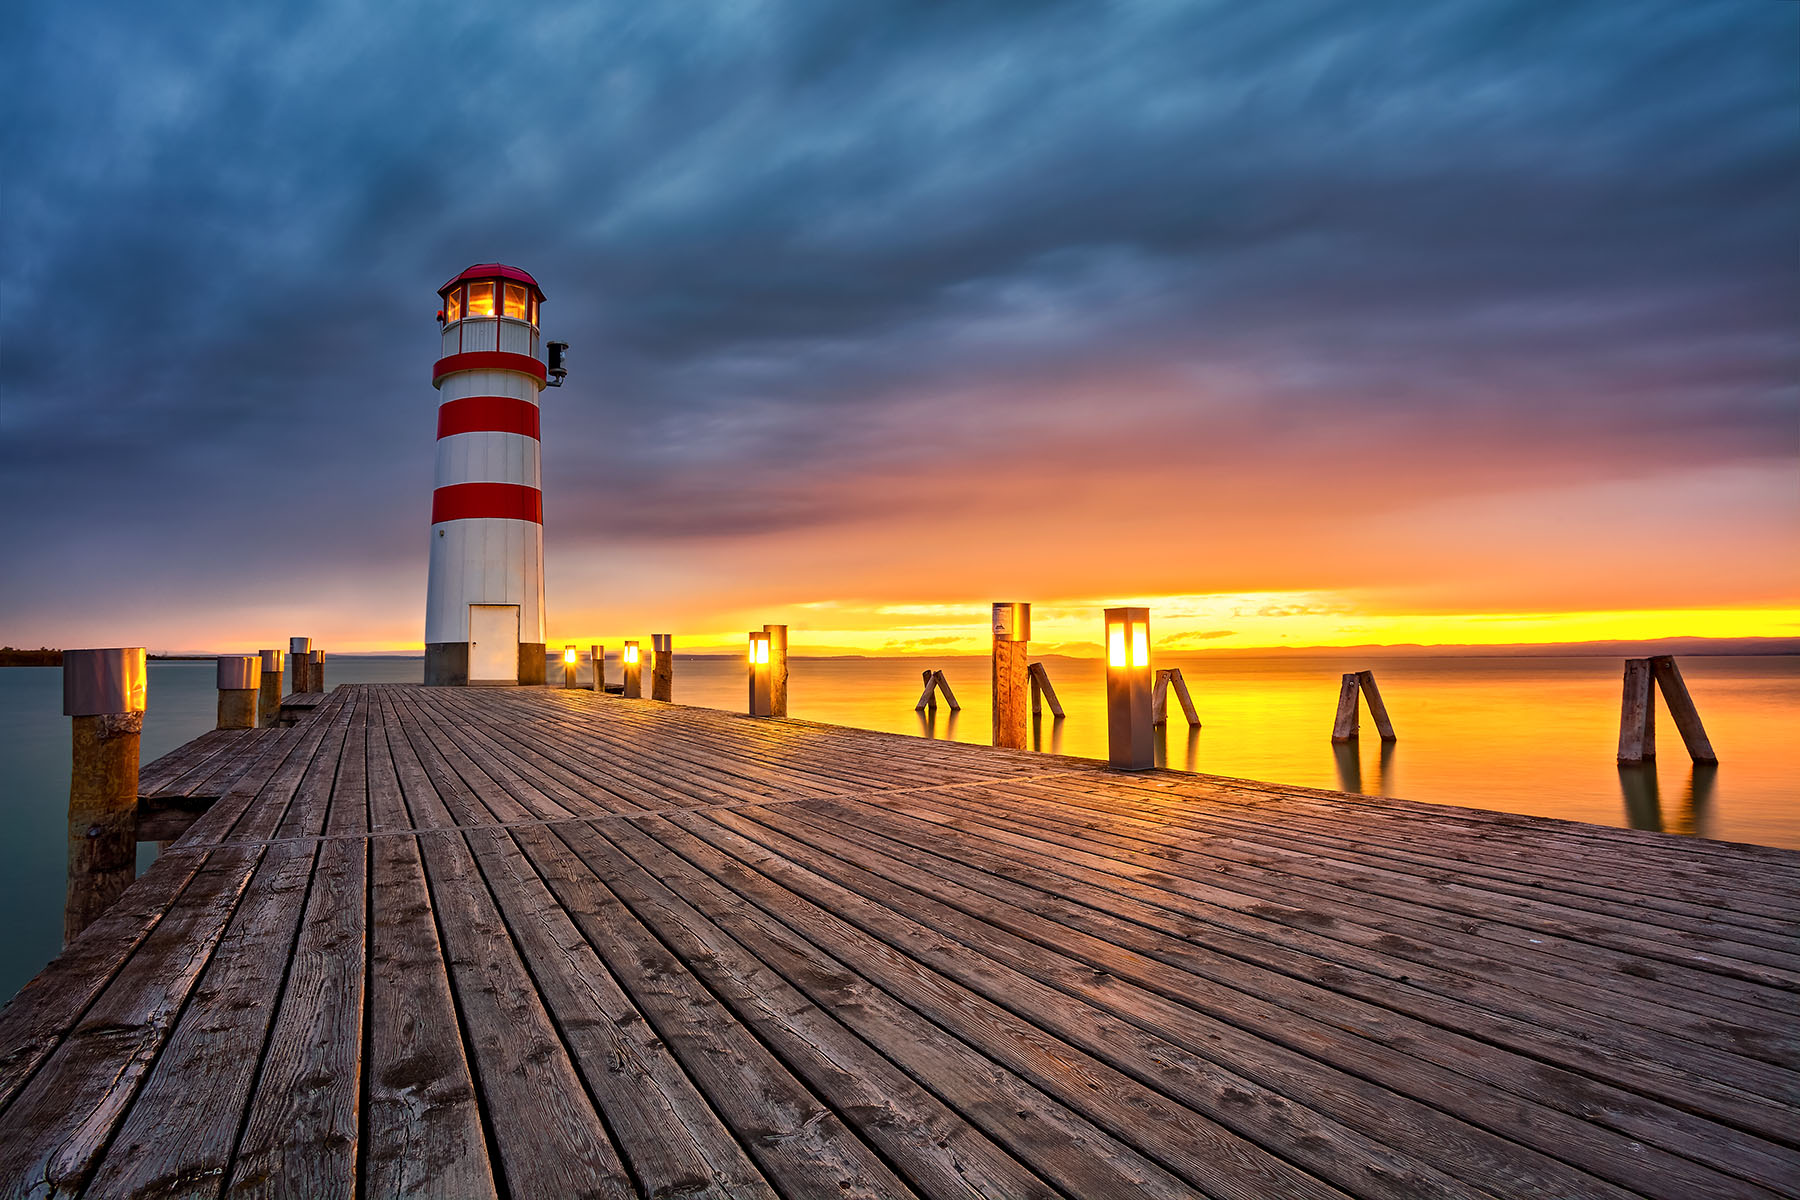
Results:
<point x="484" y="607"/>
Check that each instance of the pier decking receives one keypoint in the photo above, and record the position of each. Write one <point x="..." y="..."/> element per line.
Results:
<point x="542" y="943"/>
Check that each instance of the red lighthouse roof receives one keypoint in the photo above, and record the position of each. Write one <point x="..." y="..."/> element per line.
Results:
<point x="495" y="271"/>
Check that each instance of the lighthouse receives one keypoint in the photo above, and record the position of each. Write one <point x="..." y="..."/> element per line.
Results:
<point x="484" y="605"/>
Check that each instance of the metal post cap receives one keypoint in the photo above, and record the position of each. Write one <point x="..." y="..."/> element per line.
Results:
<point x="271" y="662"/>
<point x="239" y="672"/>
<point x="299" y="645"/>
<point x="98" y="683"/>
<point x="317" y="656"/>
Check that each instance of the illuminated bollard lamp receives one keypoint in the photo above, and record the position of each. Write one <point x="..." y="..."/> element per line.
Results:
<point x="240" y="679"/>
<point x="761" y="697"/>
<point x="1129" y="732"/>
<point x="571" y="657"/>
<point x="634" y="679"/>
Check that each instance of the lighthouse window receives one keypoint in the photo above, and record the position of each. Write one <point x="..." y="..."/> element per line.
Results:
<point x="453" y="305"/>
<point x="481" y="299"/>
<point x="515" y="301"/>
<point x="532" y="317"/>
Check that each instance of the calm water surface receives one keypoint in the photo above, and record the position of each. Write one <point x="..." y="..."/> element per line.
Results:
<point x="1526" y="735"/>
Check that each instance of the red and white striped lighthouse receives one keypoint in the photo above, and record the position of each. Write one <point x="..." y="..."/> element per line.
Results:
<point x="484" y="607"/>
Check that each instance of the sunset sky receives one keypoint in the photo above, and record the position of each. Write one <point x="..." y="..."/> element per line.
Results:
<point x="1303" y="323"/>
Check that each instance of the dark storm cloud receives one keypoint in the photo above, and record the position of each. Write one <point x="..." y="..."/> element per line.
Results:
<point x="763" y="225"/>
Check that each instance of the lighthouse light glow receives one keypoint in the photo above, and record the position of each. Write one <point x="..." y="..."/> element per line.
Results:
<point x="481" y="299"/>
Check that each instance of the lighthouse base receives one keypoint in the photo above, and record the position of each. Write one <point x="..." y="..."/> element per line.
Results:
<point x="447" y="664"/>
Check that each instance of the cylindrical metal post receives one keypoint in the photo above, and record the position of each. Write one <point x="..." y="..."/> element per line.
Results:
<point x="103" y="691"/>
<point x="634" y="679"/>
<point x="759" y="675"/>
<point x="1012" y="640"/>
<point x="240" y="679"/>
<point x="599" y="681"/>
<point x="269" y="705"/>
<point x="778" y="669"/>
<point x="1130" y="739"/>
<point x="300" y="658"/>
<point x="662" y="666"/>
<point x="315" y="671"/>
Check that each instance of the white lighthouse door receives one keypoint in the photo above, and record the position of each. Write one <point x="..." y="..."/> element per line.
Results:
<point x="493" y="643"/>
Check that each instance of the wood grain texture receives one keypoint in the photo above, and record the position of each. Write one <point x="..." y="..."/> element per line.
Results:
<point x="486" y="942"/>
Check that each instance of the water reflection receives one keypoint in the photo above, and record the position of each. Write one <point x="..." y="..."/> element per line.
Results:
<point x="1643" y="799"/>
<point x="1348" y="756"/>
<point x="928" y="723"/>
<point x="1037" y="733"/>
<point x="1192" y="752"/>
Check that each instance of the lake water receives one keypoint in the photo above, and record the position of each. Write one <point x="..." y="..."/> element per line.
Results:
<point x="1526" y="735"/>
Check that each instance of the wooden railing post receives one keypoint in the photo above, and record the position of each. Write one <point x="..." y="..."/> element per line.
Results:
<point x="662" y="667"/>
<point x="1637" y="713"/>
<point x="315" y="671"/>
<point x="103" y="693"/>
<point x="299" y="663"/>
<point x="634" y="679"/>
<point x="240" y="681"/>
<point x="268" y="707"/>
<point x="1012" y="645"/>
<point x="599" y="681"/>
<point x="778" y="669"/>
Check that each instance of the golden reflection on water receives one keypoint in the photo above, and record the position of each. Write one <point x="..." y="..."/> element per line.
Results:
<point x="1527" y="735"/>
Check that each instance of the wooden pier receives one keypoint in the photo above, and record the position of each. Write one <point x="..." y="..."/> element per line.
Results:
<point x="546" y="943"/>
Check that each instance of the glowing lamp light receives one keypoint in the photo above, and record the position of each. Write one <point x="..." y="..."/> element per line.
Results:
<point x="634" y="672"/>
<point x="1129" y="679"/>
<point x="569" y="660"/>
<point x="569" y="654"/>
<point x="761" y="695"/>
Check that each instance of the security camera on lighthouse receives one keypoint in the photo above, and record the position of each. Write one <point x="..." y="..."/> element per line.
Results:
<point x="484" y="607"/>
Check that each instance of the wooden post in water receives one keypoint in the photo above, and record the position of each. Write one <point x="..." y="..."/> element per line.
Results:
<point x="240" y="681"/>
<point x="1348" y="725"/>
<point x="1041" y="691"/>
<point x="315" y="671"/>
<point x="935" y="683"/>
<point x="599" y="680"/>
<point x="300" y="663"/>
<point x="268" y="707"/>
<point x="1012" y="645"/>
<point x="1159" y="698"/>
<point x="778" y="669"/>
<point x="760" y="699"/>
<point x="634" y="680"/>
<point x="662" y="667"/>
<point x="1637" y="713"/>
<point x="1130" y="739"/>
<point x="103" y="691"/>
<point x="1681" y="707"/>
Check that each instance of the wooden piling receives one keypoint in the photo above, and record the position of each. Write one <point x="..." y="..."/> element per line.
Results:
<point x="778" y="669"/>
<point x="300" y="660"/>
<point x="1346" y="727"/>
<point x="1042" y="692"/>
<point x="1166" y="680"/>
<point x="1681" y="708"/>
<point x="662" y="667"/>
<point x="103" y="694"/>
<point x="240" y="682"/>
<point x="1377" y="709"/>
<point x="268" y="707"/>
<point x="1011" y="673"/>
<point x="599" y="681"/>
<point x="935" y="683"/>
<point x="1637" y="713"/>
<point x="315" y="672"/>
<point x="634" y="679"/>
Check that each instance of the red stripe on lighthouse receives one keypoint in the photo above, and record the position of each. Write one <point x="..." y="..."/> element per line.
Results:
<point x="488" y="360"/>
<point x="472" y="501"/>
<point x="487" y="414"/>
